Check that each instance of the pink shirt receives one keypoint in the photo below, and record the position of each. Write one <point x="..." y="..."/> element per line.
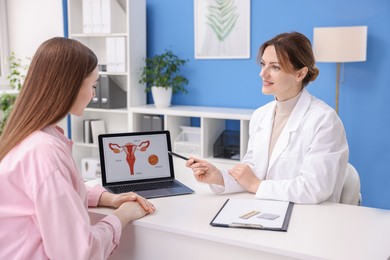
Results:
<point x="43" y="204"/>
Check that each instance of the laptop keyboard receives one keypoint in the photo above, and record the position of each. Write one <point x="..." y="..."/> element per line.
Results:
<point x="144" y="186"/>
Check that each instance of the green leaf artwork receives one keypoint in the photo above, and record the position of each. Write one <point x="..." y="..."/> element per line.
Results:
<point x="222" y="18"/>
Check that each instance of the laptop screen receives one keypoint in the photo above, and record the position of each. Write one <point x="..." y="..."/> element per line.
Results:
<point x="135" y="156"/>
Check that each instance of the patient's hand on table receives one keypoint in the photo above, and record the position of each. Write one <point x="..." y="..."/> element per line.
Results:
<point x="129" y="206"/>
<point x="130" y="211"/>
<point x="108" y="199"/>
<point x="119" y="199"/>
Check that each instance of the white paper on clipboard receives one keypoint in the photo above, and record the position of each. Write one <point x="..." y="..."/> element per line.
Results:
<point x="232" y="212"/>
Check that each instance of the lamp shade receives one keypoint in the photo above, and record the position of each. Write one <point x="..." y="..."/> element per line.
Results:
<point x="340" y="44"/>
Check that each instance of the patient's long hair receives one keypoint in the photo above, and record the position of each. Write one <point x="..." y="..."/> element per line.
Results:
<point x="52" y="83"/>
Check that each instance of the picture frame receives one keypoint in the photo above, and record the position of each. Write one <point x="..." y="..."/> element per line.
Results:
<point x="222" y="29"/>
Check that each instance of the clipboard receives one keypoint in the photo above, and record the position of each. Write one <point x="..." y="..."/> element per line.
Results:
<point x="254" y="214"/>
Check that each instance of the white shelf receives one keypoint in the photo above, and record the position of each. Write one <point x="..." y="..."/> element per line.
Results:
<point x="212" y="124"/>
<point x="97" y="35"/>
<point x="128" y="21"/>
<point x="114" y="73"/>
<point x="212" y="119"/>
<point x="102" y="110"/>
<point x="197" y="111"/>
<point x="86" y="145"/>
<point x="9" y="91"/>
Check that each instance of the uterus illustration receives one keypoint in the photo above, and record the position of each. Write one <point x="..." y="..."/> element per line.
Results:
<point x="130" y="149"/>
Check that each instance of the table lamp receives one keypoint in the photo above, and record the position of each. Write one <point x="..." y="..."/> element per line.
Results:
<point x="340" y="44"/>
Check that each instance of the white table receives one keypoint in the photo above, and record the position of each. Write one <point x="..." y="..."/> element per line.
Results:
<point x="180" y="229"/>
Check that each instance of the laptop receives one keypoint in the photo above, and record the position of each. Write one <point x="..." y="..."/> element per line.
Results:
<point x="139" y="162"/>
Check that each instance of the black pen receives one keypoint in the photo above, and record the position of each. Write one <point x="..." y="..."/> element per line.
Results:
<point x="178" y="155"/>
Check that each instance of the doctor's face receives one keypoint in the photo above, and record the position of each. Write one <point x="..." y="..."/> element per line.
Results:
<point x="276" y="81"/>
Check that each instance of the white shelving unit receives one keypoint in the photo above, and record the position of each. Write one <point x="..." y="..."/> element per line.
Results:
<point x="128" y="21"/>
<point x="212" y="124"/>
<point x="132" y="14"/>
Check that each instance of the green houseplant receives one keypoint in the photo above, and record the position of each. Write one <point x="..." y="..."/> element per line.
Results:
<point x="161" y="74"/>
<point x="15" y="78"/>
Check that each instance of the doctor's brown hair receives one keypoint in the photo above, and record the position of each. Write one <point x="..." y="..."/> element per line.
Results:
<point x="294" y="52"/>
<point x="52" y="84"/>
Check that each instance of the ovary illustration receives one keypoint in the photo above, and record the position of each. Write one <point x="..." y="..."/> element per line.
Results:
<point x="130" y="150"/>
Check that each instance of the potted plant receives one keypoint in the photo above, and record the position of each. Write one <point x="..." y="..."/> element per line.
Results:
<point x="162" y="78"/>
<point x="15" y="78"/>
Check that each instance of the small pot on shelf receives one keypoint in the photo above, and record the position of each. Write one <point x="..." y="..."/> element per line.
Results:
<point x="162" y="96"/>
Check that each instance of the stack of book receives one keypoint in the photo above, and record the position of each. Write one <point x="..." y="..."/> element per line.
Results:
<point x="103" y="16"/>
<point x="92" y="129"/>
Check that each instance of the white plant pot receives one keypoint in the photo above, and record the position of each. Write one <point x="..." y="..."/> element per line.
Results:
<point x="162" y="96"/>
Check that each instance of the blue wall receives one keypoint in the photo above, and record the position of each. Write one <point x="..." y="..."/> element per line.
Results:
<point x="364" y="93"/>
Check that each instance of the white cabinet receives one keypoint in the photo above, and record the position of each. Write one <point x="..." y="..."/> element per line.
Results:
<point x="212" y="123"/>
<point x="115" y="30"/>
<point x="126" y="23"/>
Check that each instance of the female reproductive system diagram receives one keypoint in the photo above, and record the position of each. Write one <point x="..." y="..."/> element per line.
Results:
<point x="131" y="150"/>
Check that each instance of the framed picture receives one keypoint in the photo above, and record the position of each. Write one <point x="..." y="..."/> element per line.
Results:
<point x="222" y="29"/>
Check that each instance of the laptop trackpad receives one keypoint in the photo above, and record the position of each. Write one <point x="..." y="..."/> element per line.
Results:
<point x="154" y="193"/>
<point x="148" y="194"/>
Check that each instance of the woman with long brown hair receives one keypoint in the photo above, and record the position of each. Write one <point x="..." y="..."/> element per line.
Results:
<point x="43" y="206"/>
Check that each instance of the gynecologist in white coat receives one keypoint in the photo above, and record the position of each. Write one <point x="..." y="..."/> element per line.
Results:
<point x="297" y="148"/>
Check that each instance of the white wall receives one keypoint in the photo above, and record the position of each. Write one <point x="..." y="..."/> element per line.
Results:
<point x="30" y="22"/>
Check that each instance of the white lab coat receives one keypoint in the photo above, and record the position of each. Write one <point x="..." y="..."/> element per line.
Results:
<point x="309" y="159"/>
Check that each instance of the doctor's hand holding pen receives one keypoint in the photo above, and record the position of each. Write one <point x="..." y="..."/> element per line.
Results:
<point x="207" y="173"/>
